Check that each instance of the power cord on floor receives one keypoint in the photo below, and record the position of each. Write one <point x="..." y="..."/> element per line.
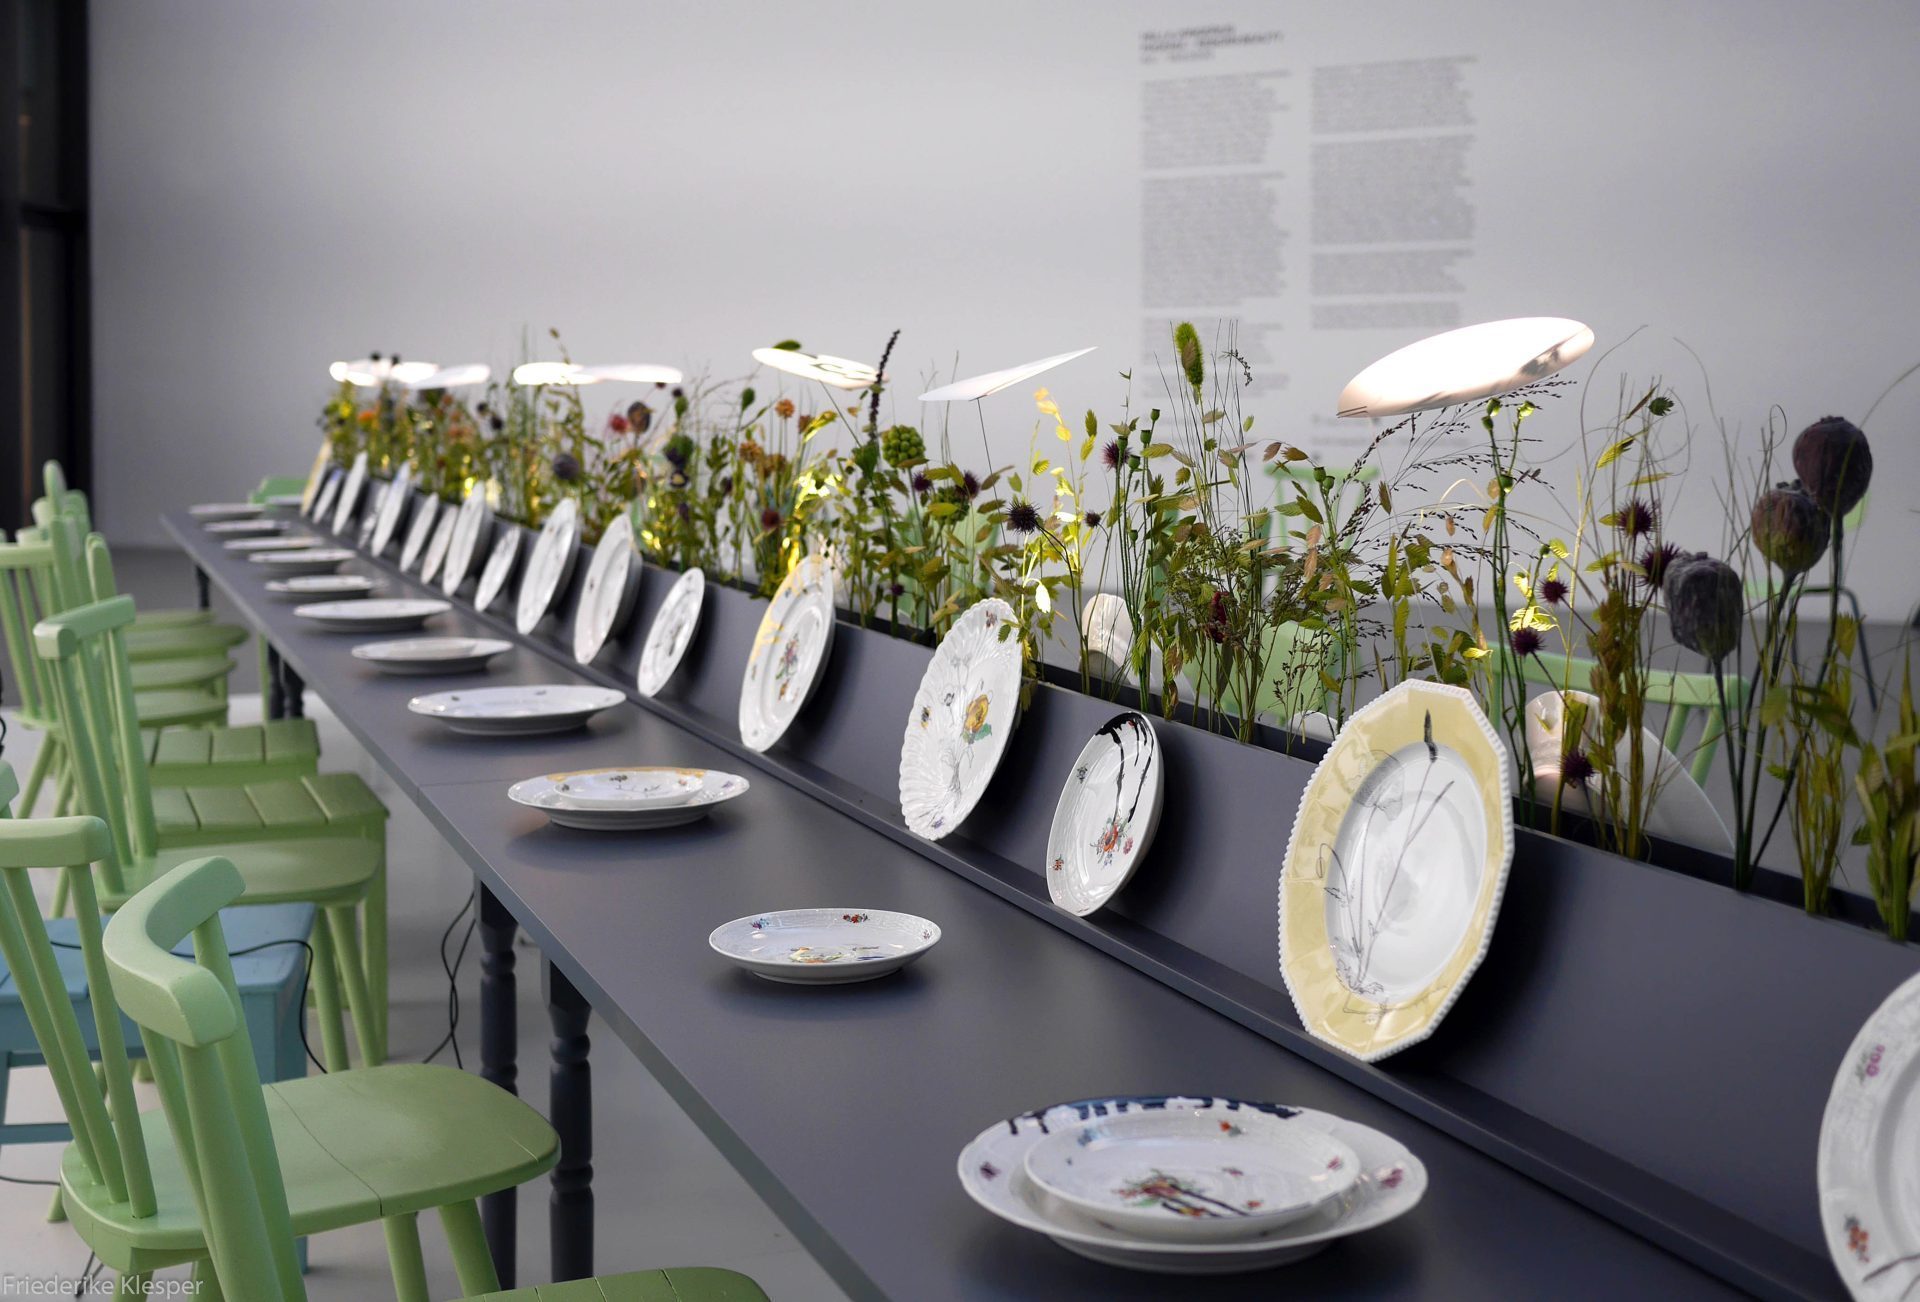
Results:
<point x="453" y="984"/>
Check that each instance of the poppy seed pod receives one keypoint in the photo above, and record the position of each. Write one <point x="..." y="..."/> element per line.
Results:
<point x="1790" y="528"/>
<point x="1705" y="603"/>
<point x="566" y="468"/>
<point x="1833" y="460"/>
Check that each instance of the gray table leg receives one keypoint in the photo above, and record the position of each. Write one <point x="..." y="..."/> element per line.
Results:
<point x="293" y="691"/>
<point x="499" y="1049"/>
<point x="201" y="587"/>
<point x="570" y="1110"/>
<point x="276" y="693"/>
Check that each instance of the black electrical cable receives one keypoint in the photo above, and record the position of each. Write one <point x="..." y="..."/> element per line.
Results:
<point x="453" y="985"/>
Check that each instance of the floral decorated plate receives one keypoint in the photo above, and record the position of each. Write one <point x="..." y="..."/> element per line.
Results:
<point x="548" y="567"/>
<point x="1107" y="814"/>
<point x="628" y="799"/>
<point x="224" y="510"/>
<point x="672" y="631"/>
<point x="1192" y="1176"/>
<point x="329" y="489"/>
<point x="814" y="947"/>
<point x="1869" y="1163"/>
<point x="350" y="494"/>
<point x="1107" y="629"/>
<point x="522" y="710"/>
<point x="304" y="587"/>
<point x="278" y="543"/>
<point x="431" y="655"/>
<point x="1395" y="868"/>
<point x="470" y="528"/>
<point x="993" y="1172"/>
<point x="606" y="595"/>
<point x="795" y="637"/>
<point x="968" y="702"/>
<point x="316" y="476"/>
<point x="308" y="561"/>
<point x="372" y="614"/>
<point x="238" y="528"/>
<point x="437" y="547"/>
<point x="370" y="518"/>
<point x="419" y="529"/>
<point x="393" y="503"/>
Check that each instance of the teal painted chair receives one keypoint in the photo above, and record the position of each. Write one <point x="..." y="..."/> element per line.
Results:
<point x="250" y="1194"/>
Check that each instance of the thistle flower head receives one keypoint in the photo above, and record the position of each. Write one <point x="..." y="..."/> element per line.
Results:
<point x="1635" y="518"/>
<point x="770" y="520"/>
<point x="1526" y="641"/>
<point x="1553" y="591"/>
<point x="1575" y="768"/>
<point x="921" y="483"/>
<point x="1656" y="559"/>
<point x="1023" y="516"/>
<point x="566" y="468"/>
<point x="640" y="417"/>
<point x="970" y="485"/>
<point x="1091" y="519"/>
<point x="1110" y="454"/>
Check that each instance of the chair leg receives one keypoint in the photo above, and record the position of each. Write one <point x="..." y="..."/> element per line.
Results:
<point x="403" y="1254"/>
<point x="37" y="775"/>
<point x="206" y="1283"/>
<point x="375" y="910"/>
<point x="326" y="994"/>
<point x="58" y="906"/>
<point x="1860" y="649"/>
<point x="63" y="790"/>
<point x="346" y="944"/>
<point x="472" y="1259"/>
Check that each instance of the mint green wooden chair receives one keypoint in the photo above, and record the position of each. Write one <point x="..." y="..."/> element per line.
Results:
<point x="277" y="486"/>
<point x="1684" y="695"/>
<point x="250" y="1193"/>
<point x="73" y="504"/>
<point x="1291" y="654"/>
<point x="340" y="873"/>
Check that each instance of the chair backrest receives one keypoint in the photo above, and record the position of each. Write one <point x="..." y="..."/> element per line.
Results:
<point x="189" y="1016"/>
<point x="69" y="501"/>
<point x="93" y="688"/>
<point x="106" y="1129"/>
<point x="27" y="595"/>
<point x="1683" y="694"/>
<point x="64" y="535"/>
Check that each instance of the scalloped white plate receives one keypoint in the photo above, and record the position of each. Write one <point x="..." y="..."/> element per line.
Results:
<point x="548" y="567"/>
<point x="277" y="543"/>
<point x="393" y="504"/>
<point x="241" y="528"/>
<point x="224" y="510"/>
<point x="350" y="495"/>
<point x="329" y="489"/>
<point x="470" y="527"/>
<point x="499" y="568"/>
<point x="373" y="614"/>
<point x="793" y="642"/>
<point x="309" y="561"/>
<point x="437" y="546"/>
<point x="1869" y="1162"/>
<point x="1107" y="814"/>
<point x="431" y="655"/>
<point x="305" y="587"/>
<point x="1465" y="365"/>
<point x="606" y="595"/>
<point x="519" y="710"/>
<point x="672" y="631"/>
<point x="962" y="715"/>
<point x="836" y="372"/>
<point x="982" y="386"/>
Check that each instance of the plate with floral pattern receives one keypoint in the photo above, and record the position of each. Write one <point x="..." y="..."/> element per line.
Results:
<point x="316" y="476"/>
<point x="815" y="947"/>
<point x="393" y="502"/>
<point x="329" y="489"/>
<point x="350" y="494"/>
<point x="470" y="528"/>
<point x="1107" y="814"/>
<point x="520" y="710"/>
<point x="968" y="702"/>
<point x="1395" y="868"/>
<point x="305" y="587"/>
<point x="993" y="1172"/>
<point x="419" y="529"/>
<point x="281" y="542"/>
<point x="631" y="799"/>
<point x="794" y="639"/>
<point x="373" y="614"/>
<point x="672" y="631"/>
<point x="240" y="528"/>
<point x="225" y="510"/>
<point x="606" y="594"/>
<point x="307" y="560"/>
<point x="416" y="656"/>
<point x="1187" y="1175"/>
<point x="437" y="546"/>
<point x="1869" y="1163"/>
<point x="548" y="567"/>
<point x="493" y="579"/>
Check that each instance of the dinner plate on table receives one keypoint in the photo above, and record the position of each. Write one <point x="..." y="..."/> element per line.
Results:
<point x="373" y="614"/>
<point x="224" y="510"/>
<point x="307" y="561"/>
<point x="629" y="799"/>
<point x="277" y="543"/>
<point x="522" y="710"/>
<point x="824" y="946"/>
<point x="242" y="528"/>
<point x="305" y="587"/>
<point x="431" y="655"/>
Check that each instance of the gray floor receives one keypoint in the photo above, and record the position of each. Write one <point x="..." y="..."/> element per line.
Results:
<point x="665" y="1196"/>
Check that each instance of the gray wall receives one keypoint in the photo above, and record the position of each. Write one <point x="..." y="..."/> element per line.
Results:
<point x="279" y="185"/>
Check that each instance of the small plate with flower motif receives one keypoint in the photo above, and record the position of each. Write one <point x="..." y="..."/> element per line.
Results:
<point x="813" y="947"/>
<point x="548" y="567"/>
<point x="225" y="510"/>
<point x="470" y="527"/>
<point x="672" y="631"/>
<point x="631" y="799"/>
<point x="240" y="528"/>
<point x="350" y="495"/>
<point x="499" y="568"/>
<point x="1107" y="814"/>
<point x="794" y="639"/>
<point x="957" y="730"/>
<point x="419" y="529"/>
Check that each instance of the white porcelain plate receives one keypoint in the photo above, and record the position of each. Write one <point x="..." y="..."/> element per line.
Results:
<point x="329" y="489"/>
<point x="993" y="1172"/>
<point x="1107" y="629"/>
<point x="606" y="595"/>
<point x="1395" y="868"/>
<point x="288" y="501"/>
<point x="277" y="543"/>
<point x="1107" y="814"/>
<point x="309" y="561"/>
<point x="1181" y="1175"/>
<point x="628" y="799"/>
<point x="815" y="947"/>
<point x="393" y="503"/>
<point x="373" y="614"/>
<point x="470" y="528"/>
<point x="304" y="587"/>
<point x="224" y="510"/>
<point x="1869" y="1164"/>
<point x="672" y="631"/>
<point x="350" y="494"/>
<point x="431" y="655"/>
<point x="316" y="476"/>
<point x="419" y="529"/>
<point x="240" y="528"/>
<point x="520" y="710"/>
<point x="794" y="639"/>
<point x="548" y="567"/>
<point x="498" y="570"/>
<point x="437" y="546"/>
<point x="968" y="702"/>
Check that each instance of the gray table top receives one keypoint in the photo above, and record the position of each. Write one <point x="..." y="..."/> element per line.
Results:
<point x="846" y="1108"/>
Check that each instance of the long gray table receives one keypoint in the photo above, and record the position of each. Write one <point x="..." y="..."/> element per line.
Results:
<point x="846" y="1108"/>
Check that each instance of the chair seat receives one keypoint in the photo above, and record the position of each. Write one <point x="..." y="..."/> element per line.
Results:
<point x="233" y="756"/>
<point x="187" y="671"/>
<point x="173" y="617"/>
<point x="179" y="707"/>
<point x="354" y="1147"/>
<point x="336" y="804"/>
<point x="323" y="870"/>
<point x="187" y="640"/>
<point x="677" y="1284"/>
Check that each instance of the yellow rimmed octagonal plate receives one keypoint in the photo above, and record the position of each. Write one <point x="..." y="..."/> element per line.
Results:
<point x="1395" y="868"/>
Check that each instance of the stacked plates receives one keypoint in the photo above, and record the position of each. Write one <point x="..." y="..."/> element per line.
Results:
<point x="519" y="711"/>
<point x="305" y="586"/>
<point x="224" y="510"/>
<point x="372" y="614"/>
<point x="1190" y="1186"/>
<point x="812" y="947"/>
<point x="431" y="655"/>
<point x="627" y="799"/>
<point x="248" y="526"/>
<point x="307" y="560"/>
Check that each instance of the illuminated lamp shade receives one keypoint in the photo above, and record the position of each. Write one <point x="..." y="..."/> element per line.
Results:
<point x="630" y="373"/>
<point x="839" y="372"/>
<point x="449" y="377"/>
<point x="1465" y="365"/>
<point x="538" y="373"/>
<point x="981" y="386"/>
<point x="407" y="374"/>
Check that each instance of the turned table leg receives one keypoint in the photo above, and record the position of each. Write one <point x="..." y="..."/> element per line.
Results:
<point x="570" y="1110"/>
<point x="499" y="1047"/>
